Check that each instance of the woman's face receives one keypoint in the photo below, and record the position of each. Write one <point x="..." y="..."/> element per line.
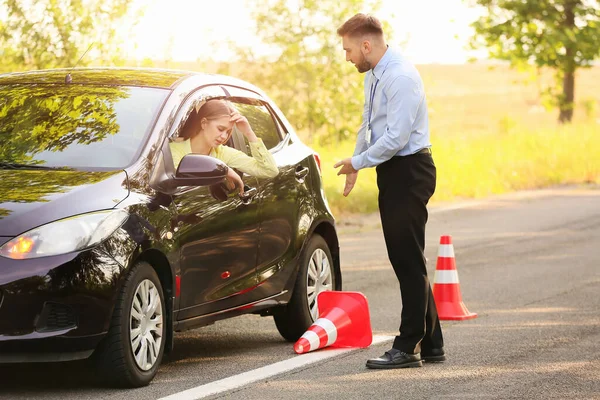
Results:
<point x="217" y="131"/>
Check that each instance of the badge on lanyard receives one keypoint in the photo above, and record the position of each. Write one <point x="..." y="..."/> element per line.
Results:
<point x="368" y="135"/>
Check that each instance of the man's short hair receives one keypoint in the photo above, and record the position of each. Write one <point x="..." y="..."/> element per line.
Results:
<point x="360" y="25"/>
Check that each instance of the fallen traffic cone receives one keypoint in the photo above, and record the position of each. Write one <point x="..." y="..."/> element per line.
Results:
<point x="446" y="288"/>
<point x="343" y="321"/>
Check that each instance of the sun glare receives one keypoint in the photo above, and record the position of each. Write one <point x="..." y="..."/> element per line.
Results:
<point x="190" y="30"/>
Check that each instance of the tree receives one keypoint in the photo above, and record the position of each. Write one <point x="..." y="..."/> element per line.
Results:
<point x="38" y="34"/>
<point x="33" y="121"/>
<point x="563" y="35"/>
<point x="305" y="71"/>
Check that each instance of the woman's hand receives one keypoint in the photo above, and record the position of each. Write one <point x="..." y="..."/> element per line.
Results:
<point x="234" y="181"/>
<point x="243" y="126"/>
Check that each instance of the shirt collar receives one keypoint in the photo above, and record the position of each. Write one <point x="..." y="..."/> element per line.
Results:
<point x="382" y="64"/>
<point x="188" y="148"/>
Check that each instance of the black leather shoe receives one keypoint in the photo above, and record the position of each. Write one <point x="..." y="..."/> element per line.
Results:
<point x="395" y="358"/>
<point x="433" y="355"/>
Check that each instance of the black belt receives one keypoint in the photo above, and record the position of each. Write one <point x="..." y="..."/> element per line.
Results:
<point x="425" y="150"/>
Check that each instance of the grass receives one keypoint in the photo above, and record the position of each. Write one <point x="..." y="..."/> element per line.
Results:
<point x="490" y="135"/>
<point x="475" y="166"/>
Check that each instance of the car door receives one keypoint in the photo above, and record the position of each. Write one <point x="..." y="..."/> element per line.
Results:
<point x="217" y="236"/>
<point x="284" y="199"/>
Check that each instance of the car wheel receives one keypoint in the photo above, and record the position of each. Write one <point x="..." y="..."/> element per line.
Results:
<point x="133" y="348"/>
<point x="315" y="275"/>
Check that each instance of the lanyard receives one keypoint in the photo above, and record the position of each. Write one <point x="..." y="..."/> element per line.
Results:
<point x="372" y="94"/>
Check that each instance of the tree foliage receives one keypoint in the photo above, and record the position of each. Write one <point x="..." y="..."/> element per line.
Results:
<point x="34" y="121"/>
<point x="305" y="71"/>
<point x="38" y="34"/>
<point x="560" y="34"/>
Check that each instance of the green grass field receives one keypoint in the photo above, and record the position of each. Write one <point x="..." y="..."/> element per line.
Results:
<point x="475" y="166"/>
<point x="490" y="135"/>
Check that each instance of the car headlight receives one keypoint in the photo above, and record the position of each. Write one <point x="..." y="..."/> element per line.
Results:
<point x="65" y="236"/>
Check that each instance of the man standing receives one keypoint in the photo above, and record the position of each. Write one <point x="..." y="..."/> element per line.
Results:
<point x="394" y="137"/>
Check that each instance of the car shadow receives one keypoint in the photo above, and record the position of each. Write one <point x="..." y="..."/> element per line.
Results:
<point x="200" y="345"/>
<point x="194" y="347"/>
<point x="38" y="377"/>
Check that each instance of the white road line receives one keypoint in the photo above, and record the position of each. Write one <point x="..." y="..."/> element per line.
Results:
<point x="236" y="381"/>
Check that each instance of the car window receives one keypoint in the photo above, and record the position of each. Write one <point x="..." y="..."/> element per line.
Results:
<point x="262" y="123"/>
<point x="75" y="126"/>
<point x="190" y="108"/>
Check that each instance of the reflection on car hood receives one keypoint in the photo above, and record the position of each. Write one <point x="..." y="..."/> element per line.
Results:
<point x="30" y="198"/>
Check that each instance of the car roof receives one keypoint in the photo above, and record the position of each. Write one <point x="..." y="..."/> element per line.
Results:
<point x="119" y="76"/>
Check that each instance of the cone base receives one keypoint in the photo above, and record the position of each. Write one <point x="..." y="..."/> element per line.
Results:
<point x="454" y="312"/>
<point x="458" y="317"/>
<point x="356" y="306"/>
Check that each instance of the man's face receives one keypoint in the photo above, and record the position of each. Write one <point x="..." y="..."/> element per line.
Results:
<point x="354" y="53"/>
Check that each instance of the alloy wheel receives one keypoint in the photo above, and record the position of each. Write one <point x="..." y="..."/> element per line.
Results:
<point x="319" y="279"/>
<point x="146" y="326"/>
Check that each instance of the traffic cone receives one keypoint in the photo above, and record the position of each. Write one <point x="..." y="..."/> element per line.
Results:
<point x="343" y="321"/>
<point x="446" y="288"/>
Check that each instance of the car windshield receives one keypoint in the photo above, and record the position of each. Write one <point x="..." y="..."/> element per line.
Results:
<point x="74" y="126"/>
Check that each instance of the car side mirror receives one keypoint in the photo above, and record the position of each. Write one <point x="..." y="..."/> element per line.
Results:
<point x="200" y="170"/>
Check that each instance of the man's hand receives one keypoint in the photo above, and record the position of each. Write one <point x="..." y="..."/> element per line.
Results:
<point x="348" y="170"/>
<point x="350" y="181"/>
<point x="346" y="165"/>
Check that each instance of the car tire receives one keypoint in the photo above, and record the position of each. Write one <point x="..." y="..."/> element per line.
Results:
<point x="131" y="363"/>
<point x="295" y="318"/>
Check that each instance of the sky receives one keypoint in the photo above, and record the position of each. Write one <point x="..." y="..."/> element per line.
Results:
<point x="428" y="31"/>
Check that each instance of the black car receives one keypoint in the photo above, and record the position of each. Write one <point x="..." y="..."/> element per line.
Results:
<point x="106" y="249"/>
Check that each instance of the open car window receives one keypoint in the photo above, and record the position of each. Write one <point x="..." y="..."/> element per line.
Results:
<point x="190" y="107"/>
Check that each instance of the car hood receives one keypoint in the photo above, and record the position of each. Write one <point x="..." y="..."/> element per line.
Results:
<point x="30" y="198"/>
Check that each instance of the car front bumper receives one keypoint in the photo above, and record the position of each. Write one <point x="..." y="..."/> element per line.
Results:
<point x="56" y="308"/>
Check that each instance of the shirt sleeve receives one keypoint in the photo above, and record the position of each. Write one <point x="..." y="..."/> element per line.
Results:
<point x="361" y="143"/>
<point x="404" y="99"/>
<point x="261" y="164"/>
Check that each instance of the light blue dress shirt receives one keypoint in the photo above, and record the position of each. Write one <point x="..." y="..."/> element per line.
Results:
<point x="395" y="100"/>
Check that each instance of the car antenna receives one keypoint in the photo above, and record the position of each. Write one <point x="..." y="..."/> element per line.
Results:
<point x="68" y="78"/>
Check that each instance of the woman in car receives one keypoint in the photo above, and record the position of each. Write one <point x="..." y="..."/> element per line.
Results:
<point x="208" y="130"/>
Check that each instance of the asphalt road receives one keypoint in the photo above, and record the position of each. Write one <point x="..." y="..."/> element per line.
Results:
<point x="529" y="265"/>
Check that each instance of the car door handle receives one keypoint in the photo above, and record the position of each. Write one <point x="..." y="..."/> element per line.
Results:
<point x="248" y="195"/>
<point x="301" y="173"/>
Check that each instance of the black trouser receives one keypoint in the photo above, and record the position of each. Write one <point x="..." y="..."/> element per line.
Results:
<point x="405" y="186"/>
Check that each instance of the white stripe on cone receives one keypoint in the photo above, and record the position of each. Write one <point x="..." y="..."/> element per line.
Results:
<point x="445" y="276"/>
<point x="446" y="250"/>
<point x="313" y="340"/>
<point x="330" y="328"/>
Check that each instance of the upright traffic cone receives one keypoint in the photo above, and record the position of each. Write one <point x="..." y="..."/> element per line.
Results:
<point x="343" y="321"/>
<point x="446" y="288"/>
